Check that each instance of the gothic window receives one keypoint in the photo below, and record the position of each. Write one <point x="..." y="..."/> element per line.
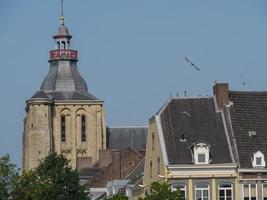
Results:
<point x="63" y="128"/>
<point x="181" y="188"/>
<point x="83" y="128"/>
<point x="201" y="153"/>
<point x="258" y="160"/>
<point x="225" y="192"/>
<point x="202" y="192"/>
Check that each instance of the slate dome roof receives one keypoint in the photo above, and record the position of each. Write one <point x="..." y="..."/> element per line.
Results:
<point x="62" y="31"/>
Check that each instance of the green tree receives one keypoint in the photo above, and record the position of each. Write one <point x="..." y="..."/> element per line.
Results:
<point x="162" y="191"/>
<point x="8" y="177"/>
<point x="119" y="197"/>
<point x="52" y="179"/>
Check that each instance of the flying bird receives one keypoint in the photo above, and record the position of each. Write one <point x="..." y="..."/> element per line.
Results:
<point x="192" y="64"/>
<point x="244" y="82"/>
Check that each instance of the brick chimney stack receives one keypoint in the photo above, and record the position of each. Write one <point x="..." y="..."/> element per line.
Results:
<point x="221" y="92"/>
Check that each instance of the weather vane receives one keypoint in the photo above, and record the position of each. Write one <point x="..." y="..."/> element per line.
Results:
<point x="62" y="14"/>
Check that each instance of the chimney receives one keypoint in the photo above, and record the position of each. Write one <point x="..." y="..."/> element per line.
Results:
<point x="221" y="92"/>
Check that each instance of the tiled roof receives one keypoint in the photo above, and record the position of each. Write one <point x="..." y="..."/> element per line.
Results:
<point x="64" y="82"/>
<point x="40" y="95"/>
<point x="124" y="137"/>
<point x="63" y="96"/>
<point x="199" y="122"/>
<point x="249" y="113"/>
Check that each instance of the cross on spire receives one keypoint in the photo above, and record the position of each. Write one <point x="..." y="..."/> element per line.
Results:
<point x="62" y="14"/>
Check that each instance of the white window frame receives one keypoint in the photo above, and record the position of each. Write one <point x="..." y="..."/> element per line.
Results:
<point x="225" y="188"/>
<point x="249" y="190"/>
<point x="173" y="188"/>
<point x="201" y="148"/>
<point x="202" y="189"/>
<point x="262" y="187"/>
<point x="256" y="155"/>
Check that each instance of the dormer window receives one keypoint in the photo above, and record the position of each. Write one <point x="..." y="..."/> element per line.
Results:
<point x="201" y="153"/>
<point x="258" y="160"/>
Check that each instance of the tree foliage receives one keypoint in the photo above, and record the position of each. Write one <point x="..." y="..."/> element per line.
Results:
<point x="160" y="191"/>
<point x="119" y="197"/>
<point x="8" y="178"/>
<point x="52" y="179"/>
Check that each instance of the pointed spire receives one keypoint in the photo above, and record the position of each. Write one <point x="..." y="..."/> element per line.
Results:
<point x="62" y="14"/>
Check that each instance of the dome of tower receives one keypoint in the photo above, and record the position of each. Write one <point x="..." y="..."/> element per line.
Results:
<point x="62" y="31"/>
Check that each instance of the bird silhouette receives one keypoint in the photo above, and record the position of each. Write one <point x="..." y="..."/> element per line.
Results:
<point x="191" y="63"/>
<point x="244" y="82"/>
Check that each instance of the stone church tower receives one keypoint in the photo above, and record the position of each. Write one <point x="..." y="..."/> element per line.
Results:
<point x="63" y="116"/>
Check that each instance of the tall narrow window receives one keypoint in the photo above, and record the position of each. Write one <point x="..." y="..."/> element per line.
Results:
<point x="150" y="169"/>
<point x="158" y="165"/>
<point x="264" y="191"/>
<point x="153" y="141"/>
<point x="83" y="128"/>
<point x="225" y="192"/>
<point x="63" y="128"/>
<point x="63" y="45"/>
<point x="181" y="188"/>
<point x="58" y="45"/>
<point x="202" y="192"/>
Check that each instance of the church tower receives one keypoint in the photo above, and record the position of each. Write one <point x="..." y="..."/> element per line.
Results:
<point x="63" y="116"/>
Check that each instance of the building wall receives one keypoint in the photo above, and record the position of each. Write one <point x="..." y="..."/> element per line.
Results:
<point x="39" y="138"/>
<point x="153" y="153"/>
<point x="37" y="134"/>
<point x="121" y="164"/>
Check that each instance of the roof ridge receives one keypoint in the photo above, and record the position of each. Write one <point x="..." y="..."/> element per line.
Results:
<point x="141" y="126"/>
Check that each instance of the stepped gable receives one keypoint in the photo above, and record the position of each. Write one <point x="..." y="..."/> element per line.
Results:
<point x="249" y="113"/>
<point x="124" y="137"/>
<point x="199" y="122"/>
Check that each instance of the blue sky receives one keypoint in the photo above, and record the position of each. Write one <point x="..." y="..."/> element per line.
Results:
<point x="131" y="53"/>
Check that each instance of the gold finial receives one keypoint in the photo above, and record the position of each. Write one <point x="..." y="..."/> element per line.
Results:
<point x="62" y="14"/>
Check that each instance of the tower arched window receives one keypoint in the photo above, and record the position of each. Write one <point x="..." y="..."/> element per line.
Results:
<point x="63" y="128"/>
<point x="63" y="45"/>
<point x="83" y="128"/>
<point x="58" y="45"/>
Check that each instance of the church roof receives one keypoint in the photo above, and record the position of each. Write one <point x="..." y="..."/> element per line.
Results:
<point x="64" y="82"/>
<point x="124" y="137"/>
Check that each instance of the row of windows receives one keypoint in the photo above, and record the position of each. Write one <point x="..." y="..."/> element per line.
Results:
<point x="63" y="128"/>
<point x="251" y="191"/>
<point x="62" y="45"/>
<point x="202" y="191"/>
<point x="225" y="191"/>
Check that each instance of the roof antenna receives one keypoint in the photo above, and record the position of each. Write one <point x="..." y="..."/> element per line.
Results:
<point x="62" y="14"/>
